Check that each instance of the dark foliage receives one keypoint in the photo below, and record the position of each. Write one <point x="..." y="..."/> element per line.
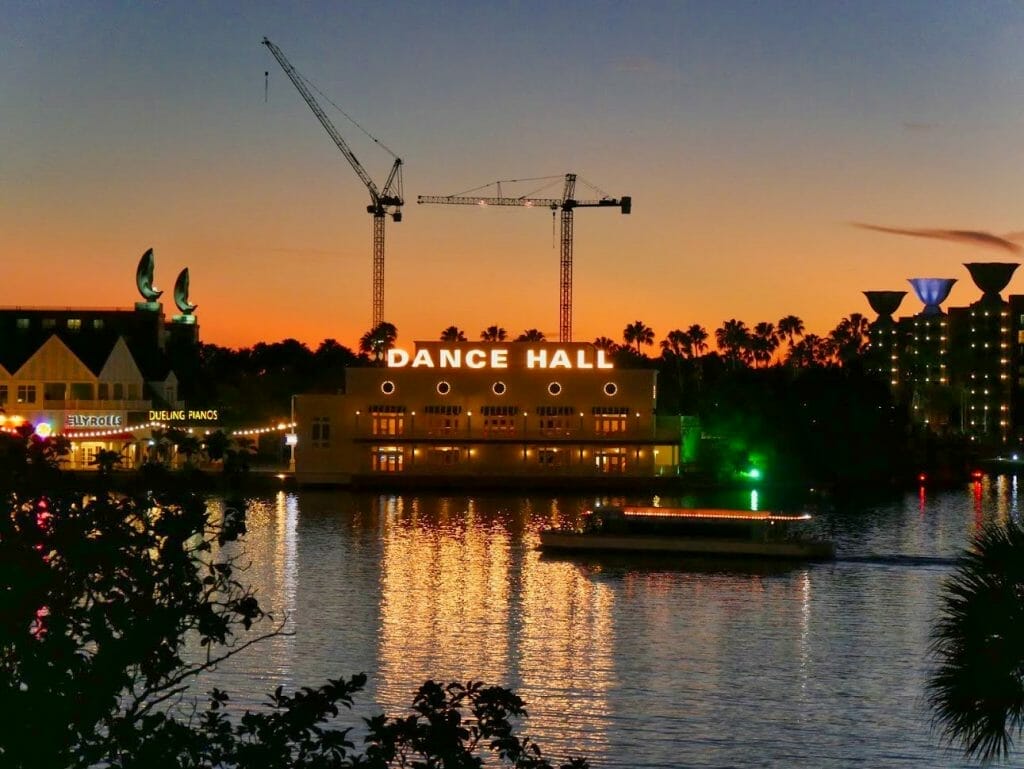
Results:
<point x="977" y="687"/>
<point x="99" y="594"/>
<point x="824" y="424"/>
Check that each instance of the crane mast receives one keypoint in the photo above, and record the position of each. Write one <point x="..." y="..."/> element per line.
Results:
<point x="385" y="201"/>
<point x="566" y="205"/>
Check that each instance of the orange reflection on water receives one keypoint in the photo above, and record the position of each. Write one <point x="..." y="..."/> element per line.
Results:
<point x="462" y="598"/>
<point x="566" y="645"/>
<point x="444" y="610"/>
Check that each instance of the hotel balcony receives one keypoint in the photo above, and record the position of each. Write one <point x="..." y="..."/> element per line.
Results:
<point x="90" y="405"/>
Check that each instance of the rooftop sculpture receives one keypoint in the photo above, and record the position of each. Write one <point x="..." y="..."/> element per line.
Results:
<point x="144" y="281"/>
<point x="181" y="299"/>
<point x="932" y="292"/>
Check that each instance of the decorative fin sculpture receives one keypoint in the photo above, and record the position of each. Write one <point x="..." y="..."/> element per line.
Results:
<point x="181" y="294"/>
<point x="144" y="277"/>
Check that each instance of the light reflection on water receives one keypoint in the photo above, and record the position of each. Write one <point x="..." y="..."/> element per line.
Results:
<point x="631" y="663"/>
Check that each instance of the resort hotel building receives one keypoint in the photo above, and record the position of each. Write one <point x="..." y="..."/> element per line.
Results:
<point x="960" y="370"/>
<point x="490" y="410"/>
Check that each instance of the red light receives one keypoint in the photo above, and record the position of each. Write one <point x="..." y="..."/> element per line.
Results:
<point x="922" y="477"/>
<point x="976" y="473"/>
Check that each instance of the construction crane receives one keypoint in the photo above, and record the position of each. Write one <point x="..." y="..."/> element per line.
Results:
<point x="566" y="204"/>
<point x="385" y="201"/>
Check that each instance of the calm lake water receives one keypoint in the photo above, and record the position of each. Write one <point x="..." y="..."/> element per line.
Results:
<point x="631" y="664"/>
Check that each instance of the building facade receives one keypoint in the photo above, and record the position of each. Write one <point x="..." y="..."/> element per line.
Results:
<point x="960" y="370"/>
<point x="498" y="410"/>
<point x="95" y="375"/>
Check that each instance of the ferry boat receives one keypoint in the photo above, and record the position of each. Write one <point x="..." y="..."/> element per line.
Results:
<point x="703" y="531"/>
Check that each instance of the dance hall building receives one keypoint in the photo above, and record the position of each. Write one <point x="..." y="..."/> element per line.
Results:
<point x="488" y="410"/>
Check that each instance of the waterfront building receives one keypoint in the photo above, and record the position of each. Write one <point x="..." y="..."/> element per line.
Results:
<point x="94" y="374"/>
<point x="490" y="410"/>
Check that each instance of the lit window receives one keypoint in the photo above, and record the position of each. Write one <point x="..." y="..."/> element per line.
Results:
<point x="74" y="324"/>
<point x="26" y="393"/>
<point x="321" y="433"/>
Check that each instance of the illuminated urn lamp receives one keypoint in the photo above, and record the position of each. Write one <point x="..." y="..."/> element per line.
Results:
<point x="885" y="303"/>
<point x="991" y="278"/>
<point x="932" y="292"/>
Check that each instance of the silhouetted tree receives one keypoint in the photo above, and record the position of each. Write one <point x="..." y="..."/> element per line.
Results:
<point x="850" y="338"/>
<point x="378" y="340"/>
<point x="763" y="342"/>
<point x="493" y="334"/>
<point x="734" y="342"/>
<point x="531" y="335"/>
<point x="217" y="443"/>
<point x="810" y="351"/>
<point x="606" y="344"/>
<point x="977" y="686"/>
<point x="790" y="327"/>
<point x="453" y="334"/>
<point x="677" y="344"/>
<point x="638" y="333"/>
<point x="99" y="594"/>
<point x="106" y="460"/>
<point x="329" y="363"/>
<point x="698" y="336"/>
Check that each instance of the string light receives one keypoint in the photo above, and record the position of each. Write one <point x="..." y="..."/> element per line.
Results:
<point x="279" y="427"/>
<point x="119" y="431"/>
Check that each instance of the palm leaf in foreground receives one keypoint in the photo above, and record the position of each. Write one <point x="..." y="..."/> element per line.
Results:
<point x="976" y="689"/>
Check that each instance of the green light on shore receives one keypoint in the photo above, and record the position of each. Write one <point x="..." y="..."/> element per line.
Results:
<point x="754" y="473"/>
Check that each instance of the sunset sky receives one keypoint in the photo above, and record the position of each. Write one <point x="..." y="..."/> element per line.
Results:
<point x="751" y="136"/>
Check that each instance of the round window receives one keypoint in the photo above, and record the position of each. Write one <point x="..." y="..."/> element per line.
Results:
<point x="443" y="388"/>
<point x="387" y="387"/>
<point x="498" y="388"/>
<point x="554" y="388"/>
<point x="610" y="388"/>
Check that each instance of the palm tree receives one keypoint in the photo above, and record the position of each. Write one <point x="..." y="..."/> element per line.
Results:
<point x="810" y="351"/>
<point x="734" y="341"/>
<point x="790" y="327"/>
<point x="677" y="344"/>
<point x="698" y="339"/>
<point x="606" y="344"/>
<point x="638" y="332"/>
<point x="493" y="334"/>
<point x="106" y="460"/>
<point x="378" y="340"/>
<point x="531" y="335"/>
<point x="850" y="337"/>
<point x="764" y="341"/>
<point x="977" y="687"/>
<point x="453" y="334"/>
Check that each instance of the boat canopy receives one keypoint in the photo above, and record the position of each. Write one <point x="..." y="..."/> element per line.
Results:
<point x="693" y="513"/>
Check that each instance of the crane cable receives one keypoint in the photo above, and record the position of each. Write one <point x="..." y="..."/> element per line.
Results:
<point x="348" y="117"/>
